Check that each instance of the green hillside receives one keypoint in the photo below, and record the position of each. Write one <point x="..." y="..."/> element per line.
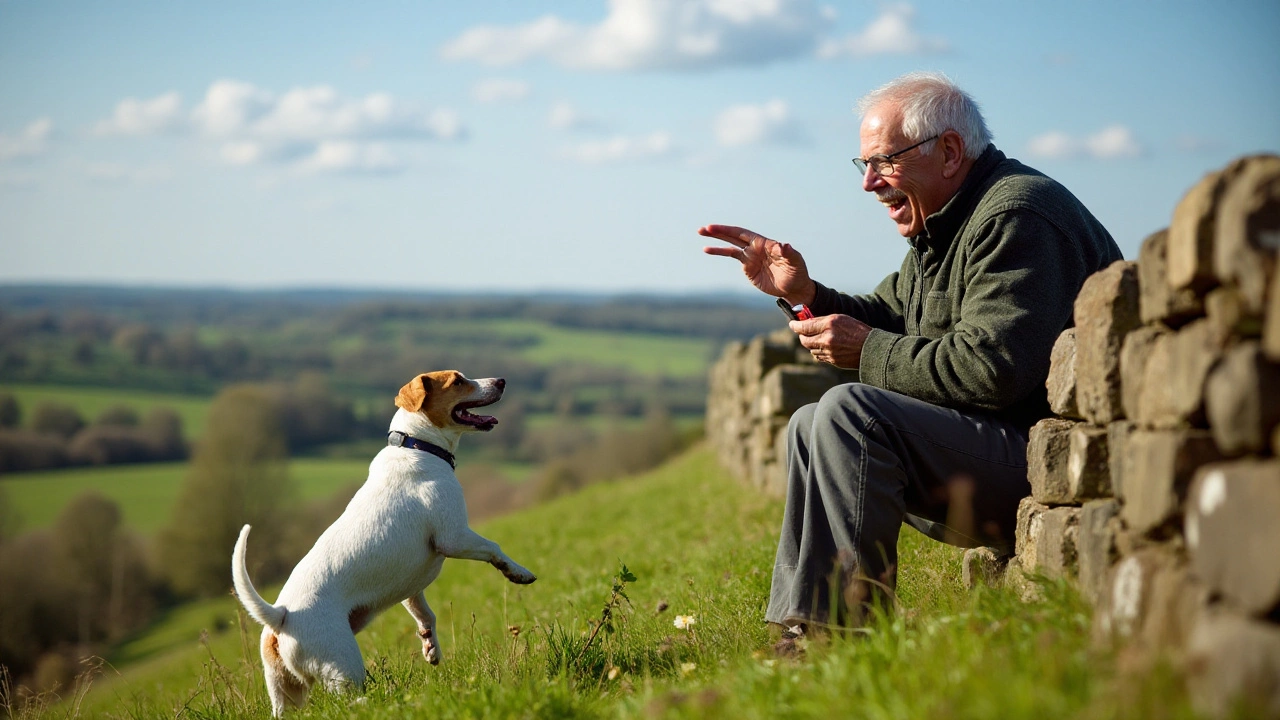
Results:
<point x="698" y="544"/>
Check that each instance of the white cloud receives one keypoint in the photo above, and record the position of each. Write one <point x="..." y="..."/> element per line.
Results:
<point x="496" y="90"/>
<point x="891" y="33"/>
<point x="654" y="35"/>
<point x="315" y="127"/>
<point x="341" y="156"/>
<point x="767" y="124"/>
<point x="1110" y="143"/>
<point x="622" y="148"/>
<point x="113" y="173"/>
<point x="144" y="117"/>
<point x="32" y="141"/>
<point x="564" y="116"/>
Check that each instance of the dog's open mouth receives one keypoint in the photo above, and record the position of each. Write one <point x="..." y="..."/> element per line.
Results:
<point x="461" y="416"/>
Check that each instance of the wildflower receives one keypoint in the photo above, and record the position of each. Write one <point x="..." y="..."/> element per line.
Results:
<point x="514" y="630"/>
<point x="686" y="668"/>
<point x="614" y="672"/>
<point x="686" y="622"/>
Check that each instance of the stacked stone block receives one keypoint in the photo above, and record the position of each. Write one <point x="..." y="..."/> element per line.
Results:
<point x="755" y="388"/>
<point x="1157" y="485"/>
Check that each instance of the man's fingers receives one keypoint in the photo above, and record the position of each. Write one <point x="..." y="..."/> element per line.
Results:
<point x="732" y="252"/>
<point x="740" y="237"/>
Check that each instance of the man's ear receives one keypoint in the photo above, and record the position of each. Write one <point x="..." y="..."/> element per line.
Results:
<point x="414" y="394"/>
<point x="952" y="146"/>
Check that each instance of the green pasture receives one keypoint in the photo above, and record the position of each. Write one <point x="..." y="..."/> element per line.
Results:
<point x="91" y="401"/>
<point x="699" y="544"/>
<point x="146" y="493"/>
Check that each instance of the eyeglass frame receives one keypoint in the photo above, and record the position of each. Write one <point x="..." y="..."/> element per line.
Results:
<point x="863" y="163"/>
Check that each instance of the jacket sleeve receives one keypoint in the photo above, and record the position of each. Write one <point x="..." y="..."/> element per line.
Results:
<point x="883" y="308"/>
<point x="1021" y="277"/>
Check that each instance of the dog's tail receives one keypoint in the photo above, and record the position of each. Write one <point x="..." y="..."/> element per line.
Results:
<point x="261" y="610"/>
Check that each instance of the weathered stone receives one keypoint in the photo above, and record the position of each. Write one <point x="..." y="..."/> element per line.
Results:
<point x="1134" y="355"/>
<point x="1088" y="465"/>
<point x="1233" y="532"/>
<point x="1061" y="382"/>
<point x="1175" y="600"/>
<point x="982" y="566"/>
<point x="1242" y="400"/>
<point x="1027" y="531"/>
<point x="1189" y="255"/>
<point x="1096" y="545"/>
<point x="1247" y="237"/>
<point x="1048" y="450"/>
<point x="1233" y="667"/>
<point x="1173" y="394"/>
<point x="1105" y="311"/>
<point x="1118" y="434"/>
<point x="1158" y="469"/>
<point x="1128" y="592"/>
<point x="1271" y="321"/>
<point x="785" y="388"/>
<point x="1227" y="315"/>
<point x="1158" y="301"/>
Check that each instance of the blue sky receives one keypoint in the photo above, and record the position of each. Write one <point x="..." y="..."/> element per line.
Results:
<point x="511" y="146"/>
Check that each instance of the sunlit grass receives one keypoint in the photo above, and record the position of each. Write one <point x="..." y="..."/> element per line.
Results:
<point x="700" y="545"/>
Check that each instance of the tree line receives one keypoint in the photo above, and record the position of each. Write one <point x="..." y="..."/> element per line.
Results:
<point x="70" y="591"/>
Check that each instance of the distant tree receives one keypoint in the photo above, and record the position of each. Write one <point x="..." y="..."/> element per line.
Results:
<point x="9" y="518"/>
<point x="118" y="416"/>
<point x="37" y="607"/>
<point x="162" y="431"/>
<point x="238" y="475"/>
<point x="10" y="411"/>
<point x="22" y="450"/>
<point x="56" y="419"/>
<point x="104" y="564"/>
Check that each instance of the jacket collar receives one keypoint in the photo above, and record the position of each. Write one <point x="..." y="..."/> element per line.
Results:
<point x="941" y="227"/>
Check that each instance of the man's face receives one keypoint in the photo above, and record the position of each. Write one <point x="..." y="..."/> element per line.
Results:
<point x="915" y="189"/>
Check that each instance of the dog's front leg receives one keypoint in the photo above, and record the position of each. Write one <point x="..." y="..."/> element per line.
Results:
<point x="421" y="612"/>
<point x="470" y="545"/>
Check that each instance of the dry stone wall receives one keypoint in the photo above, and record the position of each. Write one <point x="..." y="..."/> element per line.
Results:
<point x="754" y="389"/>
<point x="1157" y="486"/>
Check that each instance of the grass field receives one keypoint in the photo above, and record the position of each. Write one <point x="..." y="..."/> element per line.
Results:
<point x="698" y="544"/>
<point x="146" y="493"/>
<point x="90" y="402"/>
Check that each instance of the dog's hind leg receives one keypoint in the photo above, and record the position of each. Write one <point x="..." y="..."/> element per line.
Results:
<point x="342" y="669"/>
<point x="283" y="687"/>
<point x="421" y="612"/>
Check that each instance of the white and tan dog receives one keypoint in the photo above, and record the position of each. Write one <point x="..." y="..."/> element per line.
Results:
<point x="388" y="545"/>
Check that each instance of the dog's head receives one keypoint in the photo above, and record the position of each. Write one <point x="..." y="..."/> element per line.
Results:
<point x="447" y="396"/>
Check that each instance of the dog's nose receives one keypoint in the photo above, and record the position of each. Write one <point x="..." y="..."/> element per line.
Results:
<point x="502" y="383"/>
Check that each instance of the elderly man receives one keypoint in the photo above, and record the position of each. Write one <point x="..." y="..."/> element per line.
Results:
<point x="952" y="352"/>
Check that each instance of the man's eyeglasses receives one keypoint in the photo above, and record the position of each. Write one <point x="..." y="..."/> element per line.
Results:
<point x="883" y="164"/>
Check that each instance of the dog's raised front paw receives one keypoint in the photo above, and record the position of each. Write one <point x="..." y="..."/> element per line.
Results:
<point x="519" y="575"/>
<point x="431" y="652"/>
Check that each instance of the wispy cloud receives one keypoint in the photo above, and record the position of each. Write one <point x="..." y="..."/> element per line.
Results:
<point x="654" y="35"/>
<point x="1110" y="143"/>
<point x="315" y="127"/>
<point x="623" y="148"/>
<point x="496" y="90"/>
<point x="32" y="141"/>
<point x="564" y="116"/>
<point x="768" y="124"/>
<point x="144" y="117"/>
<point x="891" y="33"/>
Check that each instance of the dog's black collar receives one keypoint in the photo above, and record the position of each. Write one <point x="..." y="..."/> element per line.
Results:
<point x="395" y="438"/>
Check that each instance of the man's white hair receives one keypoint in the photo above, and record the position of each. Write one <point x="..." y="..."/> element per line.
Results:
<point x="931" y="104"/>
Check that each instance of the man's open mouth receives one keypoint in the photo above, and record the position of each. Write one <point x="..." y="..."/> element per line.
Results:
<point x="461" y="415"/>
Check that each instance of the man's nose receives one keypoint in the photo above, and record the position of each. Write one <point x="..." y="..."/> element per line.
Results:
<point x="871" y="180"/>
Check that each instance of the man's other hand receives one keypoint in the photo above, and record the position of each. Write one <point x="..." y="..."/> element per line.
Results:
<point x="833" y="339"/>
<point x="775" y="268"/>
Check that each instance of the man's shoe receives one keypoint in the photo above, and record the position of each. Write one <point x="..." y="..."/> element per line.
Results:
<point x="791" y="643"/>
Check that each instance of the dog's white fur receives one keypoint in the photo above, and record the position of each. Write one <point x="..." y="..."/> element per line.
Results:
<point x="386" y="548"/>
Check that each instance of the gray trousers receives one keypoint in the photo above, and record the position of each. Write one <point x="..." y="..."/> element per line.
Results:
<point x="861" y="461"/>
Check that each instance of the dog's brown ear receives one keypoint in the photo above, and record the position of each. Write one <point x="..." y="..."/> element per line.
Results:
<point x="414" y="394"/>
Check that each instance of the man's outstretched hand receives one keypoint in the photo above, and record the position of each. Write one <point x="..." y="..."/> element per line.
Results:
<point x="774" y="268"/>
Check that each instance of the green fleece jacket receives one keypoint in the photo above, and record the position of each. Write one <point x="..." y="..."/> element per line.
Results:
<point x="970" y="319"/>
